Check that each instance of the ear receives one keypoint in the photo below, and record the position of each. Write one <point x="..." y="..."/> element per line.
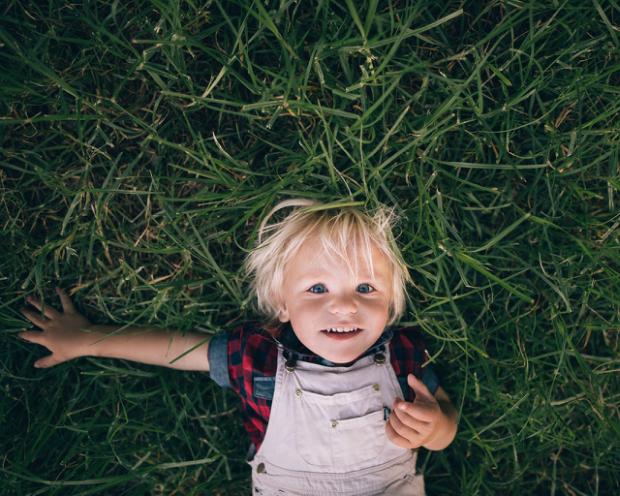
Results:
<point x="283" y="315"/>
<point x="280" y="302"/>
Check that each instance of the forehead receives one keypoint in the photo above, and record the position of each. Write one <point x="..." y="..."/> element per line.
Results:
<point x="313" y="259"/>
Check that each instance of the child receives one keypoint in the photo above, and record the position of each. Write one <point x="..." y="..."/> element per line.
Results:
<point x="334" y="399"/>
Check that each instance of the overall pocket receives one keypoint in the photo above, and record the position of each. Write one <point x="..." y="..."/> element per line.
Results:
<point x="358" y="440"/>
<point x="340" y="430"/>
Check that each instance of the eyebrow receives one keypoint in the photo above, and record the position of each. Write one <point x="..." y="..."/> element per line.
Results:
<point x="320" y="275"/>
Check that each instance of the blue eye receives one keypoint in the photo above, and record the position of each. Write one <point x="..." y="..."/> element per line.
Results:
<point x="362" y="288"/>
<point x="370" y="288"/>
<point x="321" y="285"/>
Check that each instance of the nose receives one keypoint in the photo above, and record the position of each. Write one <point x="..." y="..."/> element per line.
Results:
<point x="343" y="304"/>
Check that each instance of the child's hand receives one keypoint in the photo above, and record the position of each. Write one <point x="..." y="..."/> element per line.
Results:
<point x="412" y="425"/>
<point x="62" y="332"/>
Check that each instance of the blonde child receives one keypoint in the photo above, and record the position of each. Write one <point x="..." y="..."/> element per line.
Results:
<point x="335" y="399"/>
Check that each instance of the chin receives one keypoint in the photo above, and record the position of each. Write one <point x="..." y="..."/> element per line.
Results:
<point x="340" y="357"/>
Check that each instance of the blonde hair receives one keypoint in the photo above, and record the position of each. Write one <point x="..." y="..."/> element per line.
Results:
<point x="339" y="227"/>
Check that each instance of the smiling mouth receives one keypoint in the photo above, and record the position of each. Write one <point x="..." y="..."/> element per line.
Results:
<point x="341" y="333"/>
<point x="342" y="329"/>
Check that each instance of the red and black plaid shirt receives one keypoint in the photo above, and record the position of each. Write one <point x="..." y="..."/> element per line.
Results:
<point x="246" y="361"/>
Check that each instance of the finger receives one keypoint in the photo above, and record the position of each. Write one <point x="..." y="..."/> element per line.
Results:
<point x="425" y="405"/>
<point x="37" y="320"/>
<point x="421" y="409"/>
<point x="49" y="312"/>
<point x="31" y="336"/>
<point x="45" y="362"/>
<point x="422" y="412"/>
<point x="418" y="387"/>
<point x="400" y="428"/>
<point x="393" y="436"/>
<point x="67" y="304"/>
<point x="408" y="415"/>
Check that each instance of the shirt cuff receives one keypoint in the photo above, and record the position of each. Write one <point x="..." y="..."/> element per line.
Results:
<point x="430" y="379"/>
<point x="218" y="359"/>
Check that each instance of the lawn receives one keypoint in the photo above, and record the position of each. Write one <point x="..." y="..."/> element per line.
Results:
<point x="142" y="142"/>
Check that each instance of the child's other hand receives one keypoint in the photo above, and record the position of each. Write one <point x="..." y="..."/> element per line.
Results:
<point x="61" y="332"/>
<point x="412" y="425"/>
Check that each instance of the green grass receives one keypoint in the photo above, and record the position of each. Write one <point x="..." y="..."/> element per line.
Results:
<point x="141" y="142"/>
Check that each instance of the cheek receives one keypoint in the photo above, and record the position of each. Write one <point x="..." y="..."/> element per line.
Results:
<point x="302" y="310"/>
<point x="307" y="304"/>
<point x="378" y="306"/>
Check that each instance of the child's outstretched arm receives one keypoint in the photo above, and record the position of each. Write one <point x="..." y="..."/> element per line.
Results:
<point x="69" y="335"/>
<point x="429" y="421"/>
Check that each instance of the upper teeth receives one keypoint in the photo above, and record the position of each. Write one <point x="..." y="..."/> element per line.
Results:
<point x="342" y="329"/>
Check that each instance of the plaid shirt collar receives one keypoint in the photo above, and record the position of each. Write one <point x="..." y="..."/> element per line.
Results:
<point x="296" y="350"/>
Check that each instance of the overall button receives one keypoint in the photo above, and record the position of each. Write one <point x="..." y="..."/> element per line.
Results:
<point x="379" y="358"/>
<point x="298" y="392"/>
<point x="289" y="365"/>
<point x="260" y="468"/>
<point x="376" y="387"/>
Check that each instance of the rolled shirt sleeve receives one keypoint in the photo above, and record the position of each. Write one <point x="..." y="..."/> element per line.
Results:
<point x="218" y="359"/>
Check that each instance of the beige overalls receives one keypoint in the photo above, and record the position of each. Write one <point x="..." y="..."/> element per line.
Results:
<point x="326" y="433"/>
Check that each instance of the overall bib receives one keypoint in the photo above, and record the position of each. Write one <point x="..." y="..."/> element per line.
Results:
<point x="326" y="433"/>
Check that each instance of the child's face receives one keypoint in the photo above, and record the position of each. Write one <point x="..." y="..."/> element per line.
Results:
<point x="320" y="293"/>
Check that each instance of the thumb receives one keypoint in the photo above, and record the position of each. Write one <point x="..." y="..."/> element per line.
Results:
<point x="418" y="386"/>
<point x="45" y="362"/>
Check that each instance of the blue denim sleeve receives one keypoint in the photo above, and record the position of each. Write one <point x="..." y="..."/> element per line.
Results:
<point x="430" y="379"/>
<point x="218" y="359"/>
